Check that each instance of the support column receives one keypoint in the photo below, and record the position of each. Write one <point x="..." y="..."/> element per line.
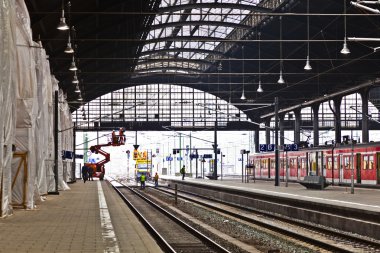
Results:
<point x="297" y="126"/>
<point x="215" y="146"/>
<point x="315" y="109"/>
<point x="276" y="150"/>
<point x="282" y="131"/>
<point x="267" y="131"/>
<point x="257" y="140"/>
<point x="337" y="120"/>
<point x="365" y="132"/>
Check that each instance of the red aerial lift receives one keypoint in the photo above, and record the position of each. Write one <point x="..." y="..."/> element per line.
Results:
<point x="98" y="168"/>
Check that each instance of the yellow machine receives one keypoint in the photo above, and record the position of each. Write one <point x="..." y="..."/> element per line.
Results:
<point x="143" y="164"/>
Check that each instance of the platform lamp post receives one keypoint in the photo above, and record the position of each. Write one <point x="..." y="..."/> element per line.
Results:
<point x="196" y="163"/>
<point x="352" y="165"/>
<point x="56" y="112"/>
<point x="246" y="172"/>
<point x="277" y="154"/>
<point x="221" y="165"/>
<point x="242" y="152"/>
<point x="215" y="147"/>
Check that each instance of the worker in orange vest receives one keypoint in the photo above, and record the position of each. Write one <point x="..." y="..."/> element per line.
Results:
<point x="155" y="180"/>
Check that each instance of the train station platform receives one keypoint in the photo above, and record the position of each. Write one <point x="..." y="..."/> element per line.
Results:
<point x="363" y="198"/>
<point x="90" y="217"/>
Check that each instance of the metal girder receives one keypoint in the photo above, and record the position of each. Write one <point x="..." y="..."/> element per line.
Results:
<point x="326" y="98"/>
<point x="174" y="8"/>
<point x="201" y="22"/>
<point x="165" y="69"/>
<point x="197" y="61"/>
<point x="175" y="50"/>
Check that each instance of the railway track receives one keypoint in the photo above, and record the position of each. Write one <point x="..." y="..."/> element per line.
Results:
<point x="321" y="237"/>
<point x="170" y="232"/>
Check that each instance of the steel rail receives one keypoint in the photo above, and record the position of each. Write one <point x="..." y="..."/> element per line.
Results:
<point x="183" y="224"/>
<point x="292" y="234"/>
<point x="159" y="239"/>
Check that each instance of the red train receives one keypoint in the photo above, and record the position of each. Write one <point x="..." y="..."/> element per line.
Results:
<point x="332" y="162"/>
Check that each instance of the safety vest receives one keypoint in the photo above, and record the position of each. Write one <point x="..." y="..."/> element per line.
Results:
<point x="142" y="178"/>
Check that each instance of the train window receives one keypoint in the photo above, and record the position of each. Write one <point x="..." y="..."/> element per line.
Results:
<point x="292" y="162"/>
<point x="273" y="163"/>
<point x="365" y="162"/>
<point x="370" y="162"/>
<point x="346" y="162"/>
<point x="329" y="163"/>
<point x="303" y="163"/>
<point x="264" y="163"/>
<point x="336" y="165"/>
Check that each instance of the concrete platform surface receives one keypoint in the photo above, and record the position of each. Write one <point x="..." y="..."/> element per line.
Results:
<point x="363" y="198"/>
<point x="88" y="218"/>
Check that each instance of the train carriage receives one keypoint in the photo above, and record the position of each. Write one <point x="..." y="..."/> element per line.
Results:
<point x="337" y="163"/>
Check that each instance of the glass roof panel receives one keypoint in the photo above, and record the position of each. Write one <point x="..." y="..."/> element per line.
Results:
<point x="218" y="13"/>
<point x="181" y="106"/>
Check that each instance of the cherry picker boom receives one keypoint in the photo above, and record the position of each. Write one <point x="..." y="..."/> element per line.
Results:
<point x="98" y="168"/>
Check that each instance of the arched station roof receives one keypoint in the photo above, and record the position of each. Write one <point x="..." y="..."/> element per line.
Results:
<point x="217" y="46"/>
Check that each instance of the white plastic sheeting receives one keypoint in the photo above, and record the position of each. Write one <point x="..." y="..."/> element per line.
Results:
<point x="26" y="105"/>
<point x="7" y="98"/>
<point x="26" y="115"/>
<point x="66" y="136"/>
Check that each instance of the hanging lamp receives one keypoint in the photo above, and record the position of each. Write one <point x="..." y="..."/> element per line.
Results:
<point x="77" y="90"/>
<point x="73" y="67"/>
<point x="345" y="49"/>
<point x="75" y="78"/>
<point x="281" y="79"/>
<point x="260" y="89"/>
<point x="243" y="95"/>
<point x="307" y="65"/>
<point x="62" y="21"/>
<point x="80" y="97"/>
<point x="69" y="49"/>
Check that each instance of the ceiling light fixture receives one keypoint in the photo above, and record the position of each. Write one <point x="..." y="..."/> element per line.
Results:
<point x="281" y="79"/>
<point x="260" y="89"/>
<point x="73" y="67"/>
<point x="308" y="66"/>
<point x="80" y="97"/>
<point x="77" y="90"/>
<point x="69" y="49"/>
<point x="345" y="49"/>
<point x="75" y="78"/>
<point x="243" y="95"/>
<point x="62" y="22"/>
<point x="220" y="67"/>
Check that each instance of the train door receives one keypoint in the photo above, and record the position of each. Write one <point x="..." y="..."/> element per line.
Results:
<point x="378" y="167"/>
<point x="293" y="168"/>
<point x="302" y="168"/>
<point x="341" y="162"/>
<point x="358" y="168"/>
<point x="313" y="163"/>
<point x="329" y="167"/>
<point x="264" y="168"/>
<point x="346" y="168"/>
<point x="271" y="168"/>
<point x="321" y="163"/>
<point x="298" y="167"/>
<point x="256" y="168"/>
<point x="336" y="170"/>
